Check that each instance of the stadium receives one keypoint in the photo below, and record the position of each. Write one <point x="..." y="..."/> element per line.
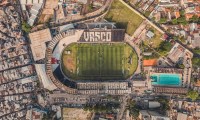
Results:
<point x="91" y="60"/>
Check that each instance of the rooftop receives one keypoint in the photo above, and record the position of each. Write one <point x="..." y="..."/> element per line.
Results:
<point x="38" y="43"/>
<point x="151" y="62"/>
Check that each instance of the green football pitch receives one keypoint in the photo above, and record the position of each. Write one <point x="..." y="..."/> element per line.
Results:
<point x="115" y="61"/>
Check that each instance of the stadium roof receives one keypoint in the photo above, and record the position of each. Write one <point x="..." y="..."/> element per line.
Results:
<point x="38" y="43"/>
<point x="47" y="83"/>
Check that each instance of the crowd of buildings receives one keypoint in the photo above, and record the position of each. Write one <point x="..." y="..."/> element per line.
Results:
<point x="14" y="49"/>
<point x="18" y="79"/>
<point x="184" y="110"/>
<point x="57" y="11"/>
<point x="183" y="16"/>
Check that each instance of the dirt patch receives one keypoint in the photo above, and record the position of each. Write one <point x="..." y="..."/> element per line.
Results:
<point x="69" y="63"/>
<point x="76" y="114"/>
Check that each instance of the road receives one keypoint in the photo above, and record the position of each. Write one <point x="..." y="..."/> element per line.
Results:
<point x="122" y="107"/>
<point x="128" y="39"/>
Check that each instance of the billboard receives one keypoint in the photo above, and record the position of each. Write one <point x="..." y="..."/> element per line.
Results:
<point x="93" y="35"/>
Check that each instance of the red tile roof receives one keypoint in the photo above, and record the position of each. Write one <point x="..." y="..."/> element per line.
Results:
<point x="197" y="8"/>
<point x="177" y="14"/>
<point x="188" y="16"/>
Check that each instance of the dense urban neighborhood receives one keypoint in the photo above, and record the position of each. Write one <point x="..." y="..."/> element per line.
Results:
<point x="99" y="59"/>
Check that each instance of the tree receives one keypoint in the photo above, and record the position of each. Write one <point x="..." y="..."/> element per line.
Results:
<point x="164" y="47"/>
<point x="193" y="94"/>
<point x="182" y="20"/>
<point x="196" y="61"/>
<point x="174" y="21"/>
<point x="163" y="20"/>
<point x="102" y="107"/>
<point x="194" y="18"/>
<point x="133" y="108"/>
<point x="26" y="27"/>
<point x="134" y="112"/>
<point x="164" y="104"/>
<point x="196" y="50"/>
<point x="49" y="116"/>
<point x="87" y="107"/>
<point x="182" y="12"/>
<point x="180" y="66"/>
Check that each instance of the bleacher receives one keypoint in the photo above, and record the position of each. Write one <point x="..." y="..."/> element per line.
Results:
<point x="49" y="71"/>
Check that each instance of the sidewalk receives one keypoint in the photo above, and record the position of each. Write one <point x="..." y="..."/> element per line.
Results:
<point x="137" y="50"/>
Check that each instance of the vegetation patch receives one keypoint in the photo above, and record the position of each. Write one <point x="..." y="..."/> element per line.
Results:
<point x="192" y="94"/>
<point x="99" y="61"/>
<point x="156" y="40"/>
<point x="124" y="17"/>
<point x="102" y="107"/>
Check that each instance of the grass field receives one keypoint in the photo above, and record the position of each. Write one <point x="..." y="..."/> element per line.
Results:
<point x="114" y="61"/>
<point x="124" y="17"/>
<point x="156" y="40"/>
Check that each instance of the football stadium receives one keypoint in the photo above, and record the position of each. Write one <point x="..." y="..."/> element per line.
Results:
<point x="93" y="60"/>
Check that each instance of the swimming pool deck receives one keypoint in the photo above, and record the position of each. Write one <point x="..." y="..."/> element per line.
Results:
<point x="155" y="70"/>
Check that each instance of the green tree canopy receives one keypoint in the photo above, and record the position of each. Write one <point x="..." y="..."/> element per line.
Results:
<point x="164" y="47"/>
<point x="193" y="94"/>
<point x="26" y="27"/>
<point x="182" y="12"/>
<point x="196" y="62"/>
<point x="163" y="20"/>
<point x="164" y="104"/>
<point x="182" y="20"/>
<point x="102" y="107"/>
<point x="194" y="18"/>
<point x="133" y="108"/>
<point x="174" y="21"/>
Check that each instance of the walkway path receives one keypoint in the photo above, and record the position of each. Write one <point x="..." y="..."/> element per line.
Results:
<point x="122" y="107"/>
<point x="137" y="49"/>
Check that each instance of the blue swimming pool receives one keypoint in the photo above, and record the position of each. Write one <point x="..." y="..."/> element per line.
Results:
<point x="166" y="79"/>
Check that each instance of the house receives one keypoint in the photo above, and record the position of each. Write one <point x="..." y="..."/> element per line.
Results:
<point x="177" y="52"/>
<point x="177" y="14"/>
<point x="38" y="43"/>
<point x="154" y="104"/>
<point x="150" y="34"/>
<point x="151" y="115"/>
<point x="195" y="39"/>
<point x="182" y="116"/>
<point x="188" y="16"/>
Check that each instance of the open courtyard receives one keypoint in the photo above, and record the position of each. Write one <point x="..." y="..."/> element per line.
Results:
<point x="99" y="61"/>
